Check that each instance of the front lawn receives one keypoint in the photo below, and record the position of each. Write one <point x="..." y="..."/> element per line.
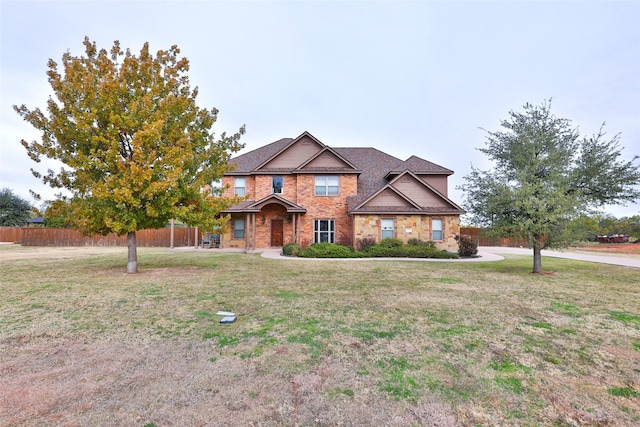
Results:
<point x="316" y="342"/>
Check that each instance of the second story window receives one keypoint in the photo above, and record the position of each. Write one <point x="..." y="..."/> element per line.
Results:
<point x="327" y="185"/>
<point x="239" y="185"/>
<point x="216" y="186"/>
<point x="277" y="184"/>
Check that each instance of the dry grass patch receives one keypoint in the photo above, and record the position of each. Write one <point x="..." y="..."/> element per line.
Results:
<point x="316" y="343"/>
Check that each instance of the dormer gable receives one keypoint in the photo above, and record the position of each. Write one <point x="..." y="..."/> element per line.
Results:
<point x="274" y="198"/>
<point x="390" y="197"/>
<point x="327" y="160"/>
<point x="408" y="191"/>
<point x="299" y="151"/>
<point x="417" y="190"/>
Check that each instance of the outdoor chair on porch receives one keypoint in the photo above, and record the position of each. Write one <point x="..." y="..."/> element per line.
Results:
<point x="210" y="240"/>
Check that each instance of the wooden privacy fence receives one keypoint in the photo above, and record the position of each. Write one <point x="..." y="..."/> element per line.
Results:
<point x="162" y="237"/>
<point x="10" y="234"/>
<point x="69" y="237"/>
<point x="477" y="235"/>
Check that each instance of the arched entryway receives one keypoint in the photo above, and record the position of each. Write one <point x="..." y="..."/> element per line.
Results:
<point x="269" y="222"/>
<point x="274" y="220"/>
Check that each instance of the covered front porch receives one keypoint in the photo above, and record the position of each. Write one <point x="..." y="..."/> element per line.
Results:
<point x="267" y="223"/>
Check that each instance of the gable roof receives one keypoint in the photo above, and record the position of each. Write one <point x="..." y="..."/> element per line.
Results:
<point x="250" y="161"/>
<point x="376" y="171"/>
<point x="261" y="160"/>
<point x="362" y="204"/>
<point x="347" y="166"/>
<point x="256" y="206"/>
<point x="374" y="165"/>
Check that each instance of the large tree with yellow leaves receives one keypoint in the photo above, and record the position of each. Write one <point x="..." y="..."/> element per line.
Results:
<point x="136" y="149"/>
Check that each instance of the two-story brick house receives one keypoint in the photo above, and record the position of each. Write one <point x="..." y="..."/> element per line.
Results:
<point x="301" y="190"/>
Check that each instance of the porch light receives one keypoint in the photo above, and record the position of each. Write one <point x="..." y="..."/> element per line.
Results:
<point x="264" y="219"/>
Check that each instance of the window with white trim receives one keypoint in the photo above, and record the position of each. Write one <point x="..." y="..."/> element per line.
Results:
<point x="238" y="228"/>
<point x="277" y="184"/>
<point x="239" y="185"/>
<point x="324" y="231"/>
<point x="386" y="225"/>
<point x="327" y="185"/>
<point x="436" y="229"/>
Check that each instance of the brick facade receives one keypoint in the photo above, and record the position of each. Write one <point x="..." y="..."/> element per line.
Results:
<point x="389" y="184"/>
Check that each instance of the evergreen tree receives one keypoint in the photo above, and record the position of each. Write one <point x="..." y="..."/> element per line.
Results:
<point x="544" y="175"/>
<point x="14" y="210"/>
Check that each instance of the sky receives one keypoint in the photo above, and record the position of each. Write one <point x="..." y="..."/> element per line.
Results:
<point x="424" y="78"/>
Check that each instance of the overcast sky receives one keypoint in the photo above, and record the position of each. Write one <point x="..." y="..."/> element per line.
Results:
<point x="408" y="78"/>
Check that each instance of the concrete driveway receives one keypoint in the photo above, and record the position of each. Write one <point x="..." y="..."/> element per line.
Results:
<point x="630" y="261"/>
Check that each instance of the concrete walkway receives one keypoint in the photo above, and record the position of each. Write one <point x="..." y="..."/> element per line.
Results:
<point x="486" y="254"/>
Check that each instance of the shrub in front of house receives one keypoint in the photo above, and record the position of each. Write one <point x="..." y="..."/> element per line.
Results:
<point x="365" y="243"/>
<point x="391" y="243"/>
<point x="467" y="246"/>
<point x="327" y="250"/>
<point x="389" y="248"/>
<point x="418" y="242"/>
<point x="291" y="249"/>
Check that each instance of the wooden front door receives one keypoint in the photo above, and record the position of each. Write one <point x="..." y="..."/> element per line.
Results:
<point x="277" y="232"/>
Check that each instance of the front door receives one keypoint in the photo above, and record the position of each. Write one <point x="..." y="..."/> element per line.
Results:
<point x="277" y="232"/>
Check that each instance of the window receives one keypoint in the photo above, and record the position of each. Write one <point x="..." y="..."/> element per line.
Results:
<point x="277" y="184"/>
<point x="324" y="231"/>
<point x="387" y="228"/>
<point x="238" y="229"/>
<point x="240" y="186"/>
<point x="436" y="229"/>
<point x="327" y="185"/>
<point x="216" y="186"/>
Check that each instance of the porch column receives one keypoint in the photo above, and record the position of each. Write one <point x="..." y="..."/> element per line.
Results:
<point x="294" y="237"/>
<point x="247" y="237"/>
<point x="254" y="230"/>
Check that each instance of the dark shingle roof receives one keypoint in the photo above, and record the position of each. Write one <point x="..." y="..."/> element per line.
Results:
<point x="417" y="165"/>
<point x="375" y="166"/>
<point x="407" y="209"/>
<point x="245" y="163"/>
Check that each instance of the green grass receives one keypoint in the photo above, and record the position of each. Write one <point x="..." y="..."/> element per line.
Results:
<point x="623" y="392"/>
<point x="397" y="380"/>
<point x="512" y="384"/>
<point x="625" y="317"/>
<point x="485" y="338"/>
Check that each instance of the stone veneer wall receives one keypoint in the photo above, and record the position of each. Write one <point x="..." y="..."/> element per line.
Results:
<point x="410" y="227"/>
<point x="227" y="240"/>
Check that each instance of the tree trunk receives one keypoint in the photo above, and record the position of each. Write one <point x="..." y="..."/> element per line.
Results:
<point x="132" y="261"/>
<point x="171" y="239"/>
<point x="537" y="254"/>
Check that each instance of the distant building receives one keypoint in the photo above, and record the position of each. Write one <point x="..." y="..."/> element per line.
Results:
<point x="36" y="222"/>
